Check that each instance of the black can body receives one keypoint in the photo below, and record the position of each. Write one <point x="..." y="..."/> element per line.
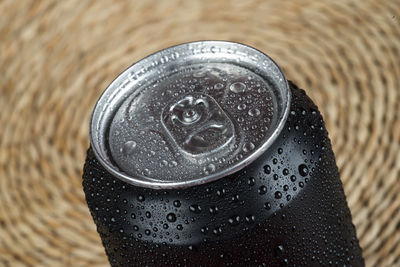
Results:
<point x="286" y="207"/>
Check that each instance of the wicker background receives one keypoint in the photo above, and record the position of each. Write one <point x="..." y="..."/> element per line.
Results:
<point x="56" y="58"/>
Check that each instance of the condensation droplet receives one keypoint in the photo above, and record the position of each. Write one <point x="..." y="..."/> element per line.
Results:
<point x="218" y="86"/>
<point x="303" y="170"/>
<point x="239" y="156"/>
<point x="171" y="217"/>
<point x="254" y="112"/>
<point x="241" y="106"/>
<point x="128" y="148"/>
<point x="146" y="172"/>
<point x="237" y="87"/>
<point x="248" y="147"/>
<point x="209" y="168"/>
<point x="177" y="203"/>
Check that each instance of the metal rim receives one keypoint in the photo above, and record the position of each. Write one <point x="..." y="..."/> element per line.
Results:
<point x="131" y="77"/>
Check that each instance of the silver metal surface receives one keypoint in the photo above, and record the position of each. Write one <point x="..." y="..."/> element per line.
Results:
<point x="189" y="114"/>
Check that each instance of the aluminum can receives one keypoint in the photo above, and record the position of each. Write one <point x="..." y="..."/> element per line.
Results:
<point x="203" y="154"/>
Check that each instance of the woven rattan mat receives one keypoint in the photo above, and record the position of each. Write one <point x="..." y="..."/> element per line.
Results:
<point x="58" y="56"/>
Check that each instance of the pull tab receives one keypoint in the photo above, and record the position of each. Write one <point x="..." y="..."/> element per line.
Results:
<point x="197" y="124"/>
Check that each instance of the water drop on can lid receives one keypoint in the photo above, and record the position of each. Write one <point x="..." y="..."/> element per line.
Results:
<point x="167" y="120"/>
<point x="238" y="87"/>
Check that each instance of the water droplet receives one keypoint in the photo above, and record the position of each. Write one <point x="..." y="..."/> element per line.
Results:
<point x="285" y="187"/>
<point x="217" y="231"/>
<point x="146" y="172"/>
<point x="293" y="178"/>
<point x="248" y="147"/>
<point x="279" y="250"/>
<point x="177" y="203"/>
<point x="251" y="181"/>
<point x="267" y="206"/>
<point x="204" y="230"/>
<point x="267" y="169"/>
<point x="213" y="210"/>
<point x="195" y="208"/>
<point x="254" y="112"/>
<point x="140" y="198"/>
<point x="262" y="190"/>
<point x="235" y="198"/>
<point x="278" y="195"/>
<point x="241" y="106"/>
<point x="237" y="87"/>
<point x="285" y="171"/>
<point x="221" y="192"/>
<point x="171" y="217"/>
<point x="209" y="168"/>
<point x="218" y="86"/>
<point x="303" y="170"/>
<point x="250" y="218"/>
<point x="234" y="220"/>
<point x="128" y="148"/>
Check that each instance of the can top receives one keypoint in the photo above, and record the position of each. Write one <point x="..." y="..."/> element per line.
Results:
<point x="189" y="114"/>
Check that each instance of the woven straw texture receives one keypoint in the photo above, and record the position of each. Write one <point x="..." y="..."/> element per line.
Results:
<point x="56" y="58"/>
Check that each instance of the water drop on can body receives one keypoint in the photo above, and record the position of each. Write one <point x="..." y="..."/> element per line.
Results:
<point x="195" y="208"/>
<point x="171" y="217"/>
<point x="303" y="170"/>
<point x="177" y="203"/>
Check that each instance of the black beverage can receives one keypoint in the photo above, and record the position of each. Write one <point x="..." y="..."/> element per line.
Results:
<point x="203" y="154"/>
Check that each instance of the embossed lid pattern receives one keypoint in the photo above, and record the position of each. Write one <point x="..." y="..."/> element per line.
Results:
<point x="189" y="114"/>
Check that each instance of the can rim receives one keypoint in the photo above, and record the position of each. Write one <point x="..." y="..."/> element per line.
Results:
<point x="96" y="135"/>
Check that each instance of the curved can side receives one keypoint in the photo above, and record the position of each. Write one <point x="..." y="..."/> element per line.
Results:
<point x="286" y="207"/>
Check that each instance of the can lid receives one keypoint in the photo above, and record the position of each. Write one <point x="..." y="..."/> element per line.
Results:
<point x="189" y="114"/>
